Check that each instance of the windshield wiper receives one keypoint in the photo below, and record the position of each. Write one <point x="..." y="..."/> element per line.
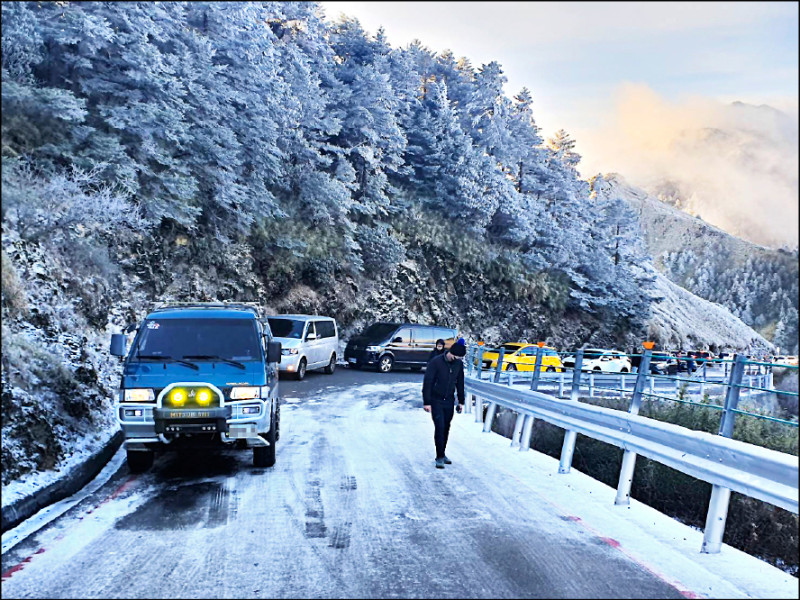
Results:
<point x="235" y="363"/>
<point x="168" y="359"/>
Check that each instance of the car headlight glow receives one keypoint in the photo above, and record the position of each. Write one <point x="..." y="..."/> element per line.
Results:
<point x="288" y="351"/>
<point x="139" y="395"/>
<point x="244" y="393"/>
<point x="373" y="348"/>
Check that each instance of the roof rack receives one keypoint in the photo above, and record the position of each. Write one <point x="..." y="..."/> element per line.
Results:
<point x="251" y="306"/>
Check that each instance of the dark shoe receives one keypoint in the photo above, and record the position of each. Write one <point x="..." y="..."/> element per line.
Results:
<point x="440" y="463"/>
<point x="447" y="461"/>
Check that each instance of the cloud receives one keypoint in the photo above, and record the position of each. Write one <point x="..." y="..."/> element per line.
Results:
<point x="734" y="164"/>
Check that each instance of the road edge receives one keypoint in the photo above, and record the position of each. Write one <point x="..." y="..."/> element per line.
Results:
<point x="24" y="508"/>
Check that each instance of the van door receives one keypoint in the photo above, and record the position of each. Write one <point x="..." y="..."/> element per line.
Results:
<point x="423" y="343"/>
<point x="326" y="337"/>
<point x="401" y="345"/>
<point x="311" y="346"/>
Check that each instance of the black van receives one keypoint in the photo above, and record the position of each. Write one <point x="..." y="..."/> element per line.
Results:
<point x="389" y="345"/>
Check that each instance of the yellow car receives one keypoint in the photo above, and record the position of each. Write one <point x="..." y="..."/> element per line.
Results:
<point x="522" y="357"/>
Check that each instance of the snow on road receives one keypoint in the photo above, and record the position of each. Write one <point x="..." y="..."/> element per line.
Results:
<point x="355" y="508"/>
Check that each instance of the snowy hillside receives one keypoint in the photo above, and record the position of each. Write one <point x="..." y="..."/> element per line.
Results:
<point x="686" y="321"/>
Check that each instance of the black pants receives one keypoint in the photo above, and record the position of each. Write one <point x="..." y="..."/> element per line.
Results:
<point x="441" y="413"/>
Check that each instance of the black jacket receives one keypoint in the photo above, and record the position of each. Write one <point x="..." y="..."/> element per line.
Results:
<point x="442" y="380"/>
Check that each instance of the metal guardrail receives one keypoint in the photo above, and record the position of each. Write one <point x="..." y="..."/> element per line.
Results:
<point x="727" y="464"/>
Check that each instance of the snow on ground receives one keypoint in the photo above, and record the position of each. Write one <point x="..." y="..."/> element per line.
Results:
<point x="35" y="481"/>
<point x="661" y="544"/>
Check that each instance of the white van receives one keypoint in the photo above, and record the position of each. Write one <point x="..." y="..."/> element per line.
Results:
<point x="307" y="341"/>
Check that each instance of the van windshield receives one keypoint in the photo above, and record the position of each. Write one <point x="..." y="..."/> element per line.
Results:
<point x="232" y="339"/>
<point x="379" y="331"/>
<point x="286" y="328"/>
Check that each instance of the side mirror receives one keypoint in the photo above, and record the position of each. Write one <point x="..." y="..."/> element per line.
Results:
<point x="274" y="352"/>
<point x="118" y="343"/>
<point x="311" y="336"/>
<point x="397" y="340"/>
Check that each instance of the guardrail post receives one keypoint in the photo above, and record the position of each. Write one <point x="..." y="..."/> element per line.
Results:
<point x="623" y="497"/>
<point x="487" y="424"/>
<point x="732" y="396"/>
<point x="537" y="368"/>
<point x="576" y="376"/>
<point x="641" y="377"/>
<point x="480" y="361"/>
<point x="565" y="464"/>
<point x="561" y="383"/>
<point x="527" y="431"/>
<point x="478" y="409"/>
<point x="621" y="384"/>
<point x="469" y="402"/>
<point x="517" y="429"/>
<point x="715" y="519"/>
<point x="720" y="496"/>
<point x="591" y="384"/>
<point x="499" y="368"/>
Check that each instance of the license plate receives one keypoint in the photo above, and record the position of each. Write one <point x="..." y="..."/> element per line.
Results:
<point x="188" y="414"/>
<point x="242" y="431"/>
<point x="352" y="360"/>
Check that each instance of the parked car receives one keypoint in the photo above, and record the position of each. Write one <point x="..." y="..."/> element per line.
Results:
<point x="308" y="341"/>
<point x="788" y="361"/>
<point x="686" y="363"/>
<point x="386" y="346"/>
<point x="202" y="374"/>
<point x="600" y="359"/>
<point x="520" y="356"/>
<point x="663" y="364"/>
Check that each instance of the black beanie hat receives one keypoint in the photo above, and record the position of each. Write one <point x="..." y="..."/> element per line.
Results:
<point x="458" y="350"/>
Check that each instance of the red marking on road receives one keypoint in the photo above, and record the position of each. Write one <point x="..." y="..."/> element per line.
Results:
<point x="21" y="565"/>
<point x="611" y="542"/>
<point x="574" y="518"/>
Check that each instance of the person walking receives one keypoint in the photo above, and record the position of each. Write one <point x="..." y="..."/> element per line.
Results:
<point x="437" y="350"/>
<point x="444" y="378"/>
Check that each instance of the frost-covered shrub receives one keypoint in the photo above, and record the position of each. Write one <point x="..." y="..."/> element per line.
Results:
<point x="13" y="294"/>
<point x="379" y="250"/>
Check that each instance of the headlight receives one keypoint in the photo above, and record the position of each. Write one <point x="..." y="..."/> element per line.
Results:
<point x="373" y="348"/>
<point x="139" y="395"/>
<point x="288" y="351"/>
<point x="244" y="393"/>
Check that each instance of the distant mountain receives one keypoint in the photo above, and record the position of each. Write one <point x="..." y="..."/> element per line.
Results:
<point x="758" y="285"/>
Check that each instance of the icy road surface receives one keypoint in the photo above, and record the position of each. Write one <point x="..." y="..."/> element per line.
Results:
<point x="355" y="508"/>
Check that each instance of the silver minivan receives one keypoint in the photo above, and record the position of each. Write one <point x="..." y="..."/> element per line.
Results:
<point x="307" y="342"/>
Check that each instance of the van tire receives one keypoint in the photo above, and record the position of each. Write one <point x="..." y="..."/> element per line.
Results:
<point x="550" y="369"/>
<point x="140" y="460"/>
<point x="511" y="367"/>
<point x="331" y="365"/>
<point x="301" y="370"/>
<point x="385" y="363"/>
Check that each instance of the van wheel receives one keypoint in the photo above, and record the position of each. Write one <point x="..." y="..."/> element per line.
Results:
<point x="551" y="369"/>
<point x="140" y="460"/>
<point x="385" y="363"/>
<point x="301" y="370"/>
<point x="331" y="365"/>
<point x="596" y="369"/>
<point x="511" y="367"/>
<point x="624" y="369"/>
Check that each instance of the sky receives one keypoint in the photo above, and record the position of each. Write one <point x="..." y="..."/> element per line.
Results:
<point x="591" y="65"/>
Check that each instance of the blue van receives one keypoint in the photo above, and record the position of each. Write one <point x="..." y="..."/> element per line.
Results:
<point x="199" y="374"/>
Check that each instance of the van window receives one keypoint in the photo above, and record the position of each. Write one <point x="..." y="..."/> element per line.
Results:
<point x="404" y="334"/>
<point x="286" y="328"/>
<point x="378" y="332"/>
<point x="424" y="335"/>
<point x="445" y="334"/>
<point x="235" y="339"/>
<point x="310" y="330"/>
<point x="325" y="329"/>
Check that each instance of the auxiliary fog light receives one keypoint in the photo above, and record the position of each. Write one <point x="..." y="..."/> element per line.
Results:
<point x="290" y="368"/>
<point x="203" y="398"/>
<point x="136" y="412"/>
<point x="177" y="397"/>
